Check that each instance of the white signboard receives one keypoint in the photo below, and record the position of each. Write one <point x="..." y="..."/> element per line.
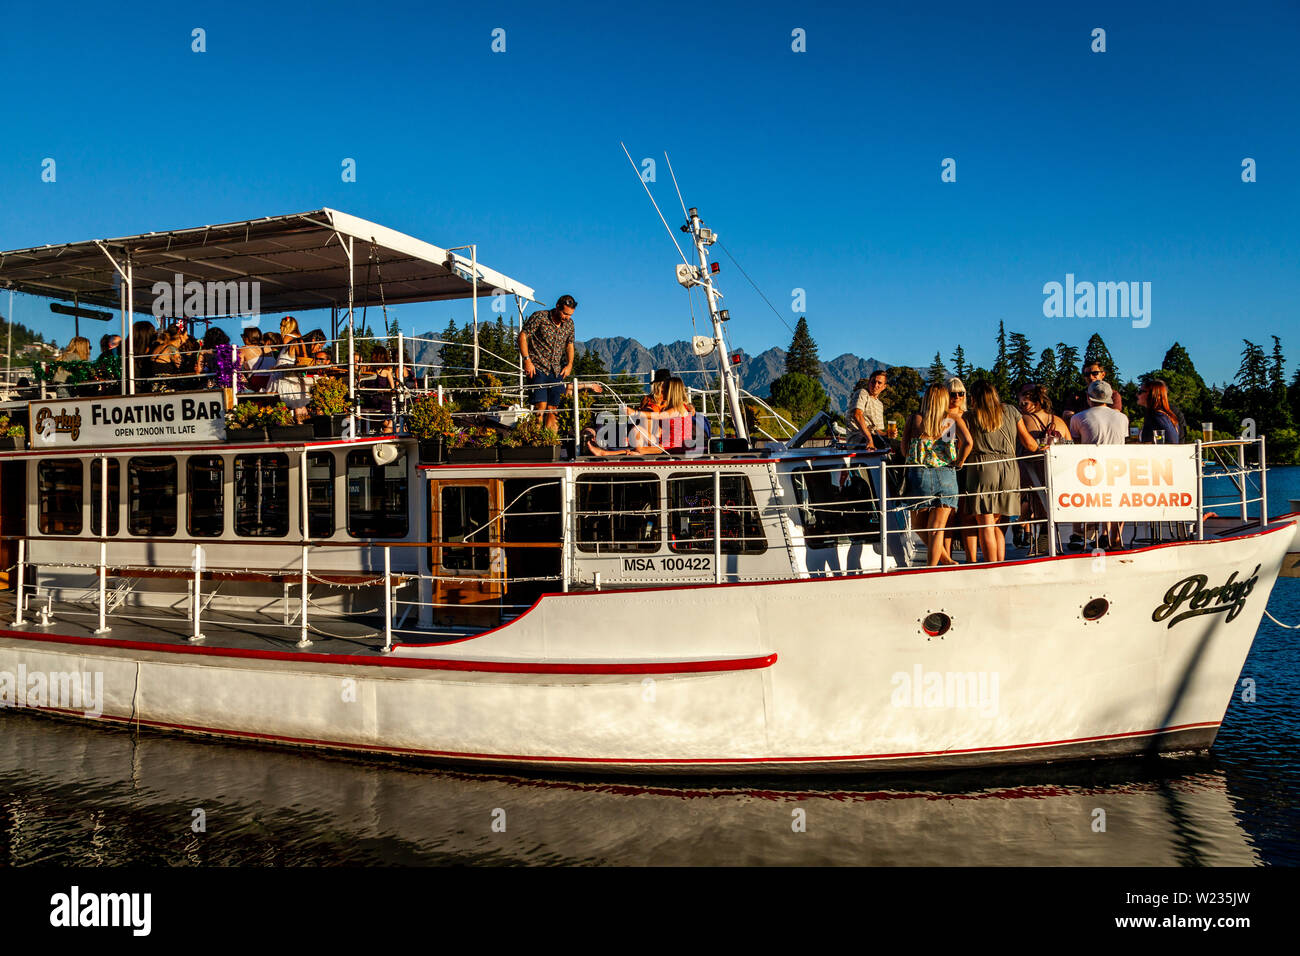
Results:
<point x="167" y="418"/>
<point x="1123" y="482"/>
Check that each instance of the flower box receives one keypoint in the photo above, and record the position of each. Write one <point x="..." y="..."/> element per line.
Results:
<point x="328" y="426"/>
<point x="7" y="442"/>
<point x="291" y="433"/>
<point x="531" y="453"/>
<point x="473" y="456"/>
<point x="242" y="435"/>
<point x="433" y="451"/>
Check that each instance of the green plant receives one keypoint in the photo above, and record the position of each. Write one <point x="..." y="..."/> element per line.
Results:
<point x="478" y="437"/>
<point x="329" y="396"/>
<point x="531" y="433"/>
<point x="244" y="415"/>
<point x="15" y="431"/>
<point x="253" y="415"/>
<point x="427" y="419"/>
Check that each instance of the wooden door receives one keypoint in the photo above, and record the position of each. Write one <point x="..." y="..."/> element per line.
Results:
<point x="468" y="580"/>
<point x="13" y="514"/>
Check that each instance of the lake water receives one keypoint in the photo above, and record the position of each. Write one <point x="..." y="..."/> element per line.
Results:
<point x="72" y="794"/>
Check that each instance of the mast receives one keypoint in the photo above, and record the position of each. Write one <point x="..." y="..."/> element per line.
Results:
<point x="703" y="237"/>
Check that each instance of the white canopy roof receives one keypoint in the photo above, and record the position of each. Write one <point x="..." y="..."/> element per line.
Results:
<point x="300" y="261"/>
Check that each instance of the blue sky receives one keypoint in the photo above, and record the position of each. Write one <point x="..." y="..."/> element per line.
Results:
<point x="820" y="170"/>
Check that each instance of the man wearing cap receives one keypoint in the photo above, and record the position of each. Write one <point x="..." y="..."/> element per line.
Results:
<point x="1092" y="372"/>
<point x="1099" y="424"/>
<point x="546" y="346"/>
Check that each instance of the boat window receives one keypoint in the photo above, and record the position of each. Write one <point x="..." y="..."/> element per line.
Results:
<point x="114" y="481"/>
<point x="151" y="496"/>
<point x="618" y="512"/>
<point x="320" y="495"/>
<point x="465" y="515"/>
<point x="837" y="503"/>
<point x="262" y="496"/>
<point x="59" y="496"/>
<point x="205" y="479"/>
<point x="690" y="510"/>
<point x="376" y="496"/>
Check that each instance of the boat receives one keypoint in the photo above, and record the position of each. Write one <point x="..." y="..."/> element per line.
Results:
<point x="751" y="606"/>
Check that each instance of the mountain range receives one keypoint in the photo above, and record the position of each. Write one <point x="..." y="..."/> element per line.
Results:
<point x="756" y="371"/>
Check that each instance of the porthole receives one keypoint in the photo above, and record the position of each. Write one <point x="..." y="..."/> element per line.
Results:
<point x="936" y="624"/>
<point x="1095" y="609"/>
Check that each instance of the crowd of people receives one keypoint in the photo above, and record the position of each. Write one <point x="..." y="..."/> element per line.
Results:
<point x="284" y="363"/>
<point x="967" y="456"/>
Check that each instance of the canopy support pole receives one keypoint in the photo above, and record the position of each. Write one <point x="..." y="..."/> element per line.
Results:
<point x="473" y="262"/>
<point x="352" y="365"/>
<point x="128" y="352"/>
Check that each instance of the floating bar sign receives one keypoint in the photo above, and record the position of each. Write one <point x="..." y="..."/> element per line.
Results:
<point x="128" y="420"/>
<point x="1123" y="482"/>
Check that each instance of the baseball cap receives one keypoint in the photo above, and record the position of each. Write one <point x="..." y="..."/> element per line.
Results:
<point x="1100" y="392"/>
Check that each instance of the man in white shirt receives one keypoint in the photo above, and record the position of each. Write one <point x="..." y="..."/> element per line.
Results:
<point x="866" y="411"/>
<point x="1100" y="424"/>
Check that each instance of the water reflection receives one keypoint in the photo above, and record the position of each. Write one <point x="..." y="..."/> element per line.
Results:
<point x="72" y="794"/>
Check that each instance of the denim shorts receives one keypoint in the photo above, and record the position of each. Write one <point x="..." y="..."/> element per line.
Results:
<point x="933" y="487"/>
<point x="548" y="387"/>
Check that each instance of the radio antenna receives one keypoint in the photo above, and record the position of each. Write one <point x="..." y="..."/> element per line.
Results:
<point x="655" y="204"/>
<point x="685" y="214"/>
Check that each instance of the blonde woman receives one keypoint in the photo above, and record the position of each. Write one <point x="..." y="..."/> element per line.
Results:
<point x="937" y="444"/>
<point x="289" y="329"/>
<point x="992" y="479"/>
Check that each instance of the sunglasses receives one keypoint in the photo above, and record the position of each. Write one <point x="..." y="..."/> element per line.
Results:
<point x="1093" y="374"/>
<point x="958" y="394"/>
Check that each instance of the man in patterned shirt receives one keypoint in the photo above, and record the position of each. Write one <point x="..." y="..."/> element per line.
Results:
<point x="546" y="346"/>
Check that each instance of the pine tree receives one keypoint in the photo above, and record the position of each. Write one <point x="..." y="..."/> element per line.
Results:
<point x="802" y="354"/>
<point x="1277" y="368"/>
<point x="588" y="365"/>
<point x="1097" y="352"/>
<point x="1020" y="361"/>
<point x="1067" y="374"/>
<point x="938" y="374"/>
<point x="1045" y="374"/>
<point x="1177" y="360"/>
<point x="1252" y="375"/>
<point x="959" y="366"/>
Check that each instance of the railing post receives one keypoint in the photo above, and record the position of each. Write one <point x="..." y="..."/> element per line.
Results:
<point x="577" y="424"/>
<point x="196" y="601"/>
<point x="388" y="599"/>
<point x="103" y="547"/>
<point x="1047" y="486"/>
<point x="1263" y="484"/>
<point x="883" y="495"/>
<point x="303" y="639"/>
<point x="1200" y="483"/>
<point x="717" y="527"/>
<point x="1241" y="473"/>
<point x="566" y="532"/>
<point x="22" y="556"/>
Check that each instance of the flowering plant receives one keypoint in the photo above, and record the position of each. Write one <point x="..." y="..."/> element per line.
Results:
<point x="329" y="396"/>
<point x="427" y="419"/>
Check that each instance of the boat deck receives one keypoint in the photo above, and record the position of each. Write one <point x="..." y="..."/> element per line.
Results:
<point x="233" y="630"/>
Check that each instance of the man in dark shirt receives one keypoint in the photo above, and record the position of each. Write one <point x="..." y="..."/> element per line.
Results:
<point x="1092" y="372"/>
<point x="546" y="346"/>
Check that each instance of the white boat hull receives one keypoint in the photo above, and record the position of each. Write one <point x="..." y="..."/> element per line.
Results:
<point x="822" y="675"/>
